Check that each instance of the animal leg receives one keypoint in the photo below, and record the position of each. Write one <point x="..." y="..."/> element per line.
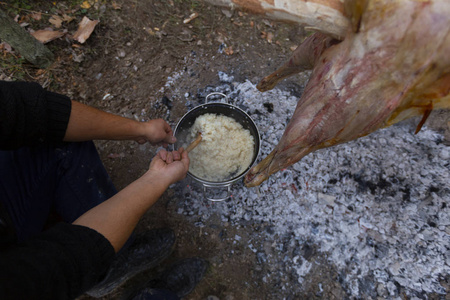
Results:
<point x="303" y="58"/>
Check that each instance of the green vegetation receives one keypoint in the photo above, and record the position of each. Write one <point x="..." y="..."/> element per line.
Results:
<point x="12" y="66"/>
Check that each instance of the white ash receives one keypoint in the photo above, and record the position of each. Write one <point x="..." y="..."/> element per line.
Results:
<point x="378" y="207"/>
<point x="223" y="77"/>
<point x="171" y="80"/>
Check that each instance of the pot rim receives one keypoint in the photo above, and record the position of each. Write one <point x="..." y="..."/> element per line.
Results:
<point x="209" y="183"/>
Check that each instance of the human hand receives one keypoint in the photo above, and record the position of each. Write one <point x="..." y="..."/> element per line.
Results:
<point x="156" y="132"/>
<point x="172" y="166"/>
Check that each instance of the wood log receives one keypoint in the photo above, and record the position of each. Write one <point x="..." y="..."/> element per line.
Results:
<point x="327" y="17"/>
<point x="28" y="47"/>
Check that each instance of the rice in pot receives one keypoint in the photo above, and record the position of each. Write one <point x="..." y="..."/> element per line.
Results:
<point x="226" y="149"/>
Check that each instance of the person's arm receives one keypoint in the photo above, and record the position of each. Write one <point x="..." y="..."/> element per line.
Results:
<point x="89" y="123"/>
<point x="117" y="217"/>
<point x="30" y="115"/>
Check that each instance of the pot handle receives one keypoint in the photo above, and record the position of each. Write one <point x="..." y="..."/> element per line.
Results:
<point x="216" y="199"/>
<point x="216" y="93"/>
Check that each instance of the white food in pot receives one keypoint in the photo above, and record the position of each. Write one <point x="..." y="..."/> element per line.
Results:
<point x="226" y="149"/>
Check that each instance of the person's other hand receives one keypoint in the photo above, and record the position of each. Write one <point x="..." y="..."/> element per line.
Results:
<point x="172" y="166"/>
<point x="156" y="132"/>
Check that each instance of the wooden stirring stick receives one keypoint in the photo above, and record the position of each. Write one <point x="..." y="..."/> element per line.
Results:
<point x="194" y="143"/>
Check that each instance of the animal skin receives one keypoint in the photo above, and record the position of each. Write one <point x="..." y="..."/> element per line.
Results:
<point x="326" y="16"/>
<point x="392" y="64"/>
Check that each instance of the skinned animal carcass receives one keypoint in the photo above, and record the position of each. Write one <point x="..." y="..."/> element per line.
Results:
<point x="390" y="61"/>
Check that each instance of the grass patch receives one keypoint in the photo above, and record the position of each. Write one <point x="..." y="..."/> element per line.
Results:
<point x="13" y="66"/>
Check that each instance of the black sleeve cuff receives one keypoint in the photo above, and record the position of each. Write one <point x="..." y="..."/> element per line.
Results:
<point x="58" y="114"/>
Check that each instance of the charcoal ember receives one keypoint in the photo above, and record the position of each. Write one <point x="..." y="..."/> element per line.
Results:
<point x="167" y="102"/>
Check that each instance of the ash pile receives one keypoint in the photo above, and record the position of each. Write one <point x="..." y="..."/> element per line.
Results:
<point x="377" y="208"/>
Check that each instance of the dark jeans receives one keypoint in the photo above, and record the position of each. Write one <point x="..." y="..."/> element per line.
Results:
<point x="65" y="180"/>
<point x="153" y="294"/>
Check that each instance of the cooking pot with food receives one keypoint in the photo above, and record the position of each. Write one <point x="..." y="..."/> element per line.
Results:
<point x="183" y="133"/>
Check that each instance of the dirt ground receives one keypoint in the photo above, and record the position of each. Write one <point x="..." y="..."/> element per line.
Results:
<point x="123" y="68"/>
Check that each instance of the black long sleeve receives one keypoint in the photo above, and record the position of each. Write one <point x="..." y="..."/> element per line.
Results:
<point x="29" y="115"/>
<point x="65" y="260"/>
<point x="60" y="263"/>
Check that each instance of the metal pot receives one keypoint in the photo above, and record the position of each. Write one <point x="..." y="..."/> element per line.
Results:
<point x="226" y="109"/>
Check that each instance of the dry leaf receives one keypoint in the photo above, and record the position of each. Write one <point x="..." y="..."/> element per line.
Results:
<point x="36" y="16"/>
<point x="268" y="23"/>
<point x="67" y="18"/>
<point x="45" y="36"/>
<point x="191" y="17"/>
<point x="227" y="13"/>
<point x="56" y="21"/>
<point x="41" y="71"/>
<point x="85" y="29"/>
<point x="6" y="47"/>
<point x="267" y="36"/>
<point x="85" y="5"/>
<point x="164" y="24"/>
<point x="263" y="34"/>
<point x="229" y="50"/>
<point x="149" y="30"/>
<point x="221" y="39"/>
<point x="116" y="6"/>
